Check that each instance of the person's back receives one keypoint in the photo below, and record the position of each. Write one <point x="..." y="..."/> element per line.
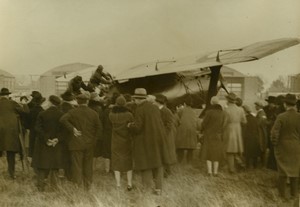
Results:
<point x="186" y="137"/>
<point x="84" y="124"/>
<point x="9" y="126"/>
<point x="235" y="114"/>
<point x="149" y="129"/>
<point x="85" y="120"/>
<point x="215" y="120"/>
<point x="290" y="126"/>
<point x="285" y="136"/>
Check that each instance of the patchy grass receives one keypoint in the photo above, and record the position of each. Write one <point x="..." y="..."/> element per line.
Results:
<point x="187" y="186"/>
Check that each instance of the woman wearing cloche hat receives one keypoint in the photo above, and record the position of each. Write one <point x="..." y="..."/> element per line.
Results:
<point x="121" y="151"/>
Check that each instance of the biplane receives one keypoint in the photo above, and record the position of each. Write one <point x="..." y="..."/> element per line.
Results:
<point x="199" y="76"/>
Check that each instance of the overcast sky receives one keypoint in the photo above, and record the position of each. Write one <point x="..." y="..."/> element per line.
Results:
<point x="36" y="36"/>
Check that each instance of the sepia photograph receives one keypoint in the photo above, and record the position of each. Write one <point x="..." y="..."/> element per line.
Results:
<point x="148" y="103"/>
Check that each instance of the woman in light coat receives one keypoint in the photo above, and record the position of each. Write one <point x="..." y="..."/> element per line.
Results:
<point x="233" y="134"/>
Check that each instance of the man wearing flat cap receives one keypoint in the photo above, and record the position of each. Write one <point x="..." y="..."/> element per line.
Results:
<point x="84" y="124"/>
<point x="10" y="112"/>
<point x="148" y="145"/>
<point x="285" y="137"/>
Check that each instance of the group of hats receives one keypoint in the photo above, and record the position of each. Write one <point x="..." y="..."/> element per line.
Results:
<point x="288" y="99"/>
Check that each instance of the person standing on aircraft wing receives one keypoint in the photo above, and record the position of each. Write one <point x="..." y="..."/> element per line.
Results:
<point x="99" y="77"/>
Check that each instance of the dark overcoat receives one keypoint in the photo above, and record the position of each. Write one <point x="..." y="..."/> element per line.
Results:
<point x="121" y="142"/>
<point x="262" y="124"/>
<point x="67" y="135"/>
<point x="96" y="106"/>
<point x="107" y="133"/>
<point x="149" y="132"/>
<point x="251" y="136"/>
<point x="233" y="133"/>
<point x="34" y="110"/>
<point x="169" y="124"/>
<point x="186" y="137"/>
<point x="285" y="136"/>
<point x="85" y="120"/>
<point x="213" y="127"/>
<point x="271" y="113"/>
<point x="9" y="125"/>
<point x="48" y="127"/>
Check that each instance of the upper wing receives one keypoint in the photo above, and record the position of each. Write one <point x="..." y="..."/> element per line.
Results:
<point x="249" y="53"/>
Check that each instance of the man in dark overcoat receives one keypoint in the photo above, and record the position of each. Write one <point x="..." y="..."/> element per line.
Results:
<point x="148" y="141"/>
<point x="10" y="128"/>
<point x="263" y="136"/>
<point x="271" y="113"/>
<point x="68" y="103"/>
<point x="34" y="109"/>
<point x="285" y="136"/>
<point x="84" y="124"/>
<point x="170" y="129"/>
<point x="48" y="156"/>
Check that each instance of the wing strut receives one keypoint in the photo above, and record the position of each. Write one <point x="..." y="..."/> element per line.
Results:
<point x="214" y="78"/>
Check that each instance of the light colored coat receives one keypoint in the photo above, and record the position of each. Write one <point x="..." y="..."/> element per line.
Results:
<point x="233" y="134"/>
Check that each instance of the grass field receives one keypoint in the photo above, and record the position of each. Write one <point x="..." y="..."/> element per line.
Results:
<point x="187" y="186"/>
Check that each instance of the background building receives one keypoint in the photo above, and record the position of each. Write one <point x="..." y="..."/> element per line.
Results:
<point x="248" y="88"/>
<point x="294" y="83"/>
<point x="7" y="80"/>
<point x="47" y="81"/>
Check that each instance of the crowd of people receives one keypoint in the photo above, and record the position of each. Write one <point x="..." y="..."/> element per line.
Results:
<point x="139" y="132"/>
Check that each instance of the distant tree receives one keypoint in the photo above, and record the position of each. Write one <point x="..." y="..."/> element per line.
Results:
<point x="279" y="85"/>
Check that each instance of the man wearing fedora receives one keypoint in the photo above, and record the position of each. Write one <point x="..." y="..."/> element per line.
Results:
<point x="84" y="125"/>
<point x="34" y="109"/>
<point x="285" y="136"/>
<point x="10" y="128"/>
<point x="149" y="133"/>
